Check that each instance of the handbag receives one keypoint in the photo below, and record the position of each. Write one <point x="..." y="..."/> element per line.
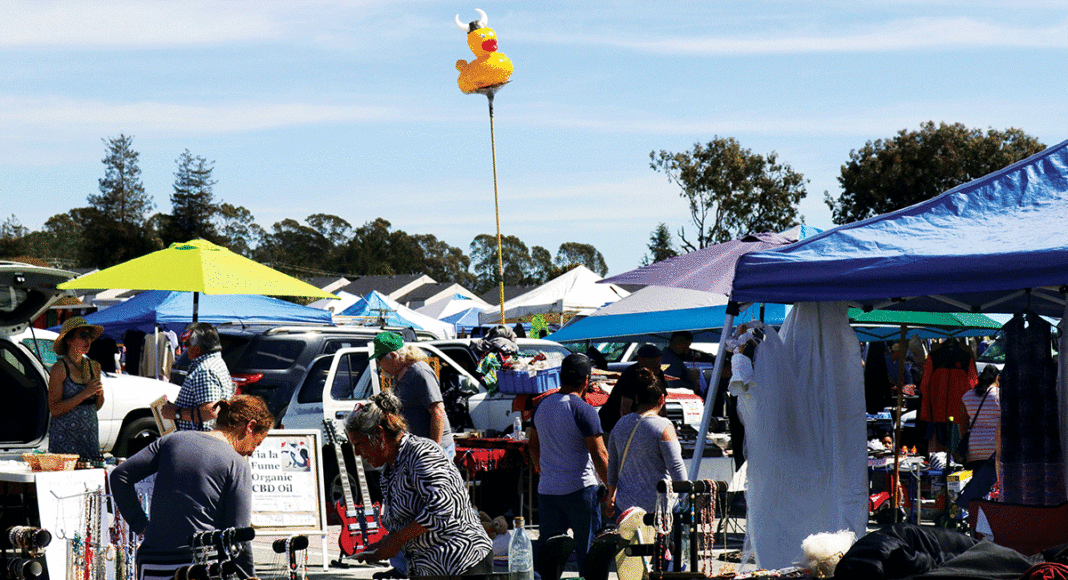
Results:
<point x="962" y="446"/>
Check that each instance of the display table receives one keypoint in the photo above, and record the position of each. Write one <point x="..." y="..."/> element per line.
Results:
<point x="60" y="506"/>
<point x="478" y="456"/>
<point x="487" y="454"/>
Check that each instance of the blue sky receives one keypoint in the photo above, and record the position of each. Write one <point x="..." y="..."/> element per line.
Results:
<point x="352" y="108"/>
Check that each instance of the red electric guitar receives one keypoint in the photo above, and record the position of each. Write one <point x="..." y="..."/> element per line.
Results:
<point x="360" y="526"/>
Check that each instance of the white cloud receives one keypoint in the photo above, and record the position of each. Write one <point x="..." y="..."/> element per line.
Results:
<point x="902" y="35"/>
<point x="113" y="24"/>
<point x="1037" y="117"/>
<point x="106" y="24"/>
<point x="77" y="117"/>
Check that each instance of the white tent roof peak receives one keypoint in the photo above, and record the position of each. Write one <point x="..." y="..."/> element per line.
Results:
<point x="576" y="290"/>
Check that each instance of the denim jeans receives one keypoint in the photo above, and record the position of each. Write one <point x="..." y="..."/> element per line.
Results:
<point x="578" y="510"/>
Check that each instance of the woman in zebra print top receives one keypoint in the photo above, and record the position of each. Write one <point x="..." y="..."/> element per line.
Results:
<point x="424" y="502"/>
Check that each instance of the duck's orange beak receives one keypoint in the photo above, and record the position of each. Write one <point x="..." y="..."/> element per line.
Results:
<point x="490" y="45"/>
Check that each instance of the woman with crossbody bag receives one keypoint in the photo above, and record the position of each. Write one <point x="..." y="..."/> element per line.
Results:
<point x="983" y="407"/>
<point x="642" y="450"/>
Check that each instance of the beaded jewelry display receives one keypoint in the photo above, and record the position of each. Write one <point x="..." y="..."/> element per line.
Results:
<point x="75" y="556"/>
<point x="294" y="567"/>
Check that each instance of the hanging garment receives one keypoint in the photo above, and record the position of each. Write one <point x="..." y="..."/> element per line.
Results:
<point x="948" y="373"/>
<point x="877" y="393"/>
<point x="133" y="340"/>
<point x="805" y="434"/>
<point x="1029" y="453"/>
<point x="157" y="357"/>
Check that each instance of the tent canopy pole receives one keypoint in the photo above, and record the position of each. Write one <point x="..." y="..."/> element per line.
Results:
<point x="710" y="396"/>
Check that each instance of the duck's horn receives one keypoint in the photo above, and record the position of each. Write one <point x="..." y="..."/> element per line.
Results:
<point x="484" y="21"/>
<point x="461" y="25"/>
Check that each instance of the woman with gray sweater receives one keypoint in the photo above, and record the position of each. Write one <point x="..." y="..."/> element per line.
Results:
<point x="642" y="450"/>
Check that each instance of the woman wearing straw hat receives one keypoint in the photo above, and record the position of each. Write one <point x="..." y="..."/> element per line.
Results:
<point x="75" y="392"/>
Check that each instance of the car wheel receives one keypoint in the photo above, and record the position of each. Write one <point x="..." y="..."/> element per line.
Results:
<point x="136" y="436"/>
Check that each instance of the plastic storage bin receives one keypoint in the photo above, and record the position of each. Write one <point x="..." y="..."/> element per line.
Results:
<point x="523" y="383"/>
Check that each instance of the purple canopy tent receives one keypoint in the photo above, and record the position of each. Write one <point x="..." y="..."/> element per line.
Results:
<point x="709" y="269"/>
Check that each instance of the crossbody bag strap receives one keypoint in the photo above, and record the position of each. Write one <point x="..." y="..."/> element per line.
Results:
<point x="626" y="448"/>
<point x="977" y="411"/>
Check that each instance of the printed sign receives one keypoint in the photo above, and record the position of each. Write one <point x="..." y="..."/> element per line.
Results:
<point x="286" y="474"/>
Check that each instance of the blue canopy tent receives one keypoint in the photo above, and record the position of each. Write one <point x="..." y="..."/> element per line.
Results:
<point x="704" y="322"/>
<point x="998" y="244"/>
<point x="173" y="310"/>
<point x="380" y="310"/>
<point x="995" y="244"/>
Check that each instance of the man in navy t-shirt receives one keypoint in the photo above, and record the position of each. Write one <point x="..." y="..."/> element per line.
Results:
<point x="568" y="449"/>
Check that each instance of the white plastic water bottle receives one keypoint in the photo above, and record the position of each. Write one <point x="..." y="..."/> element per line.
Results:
<point x="520" y="554"/>
<point x="517" y="428"/>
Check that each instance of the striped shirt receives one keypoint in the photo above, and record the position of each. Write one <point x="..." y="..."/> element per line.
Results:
<point x="422" y="485"/>
<point x="982" y="442"/>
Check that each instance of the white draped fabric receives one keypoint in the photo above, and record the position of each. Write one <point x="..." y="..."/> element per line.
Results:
<point x="805" y="434"/>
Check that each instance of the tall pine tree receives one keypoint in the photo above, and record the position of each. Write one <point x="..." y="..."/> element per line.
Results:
<point x="193" y="201"/>
<point x="114" y="222"/>
<point x="122" y="196"/>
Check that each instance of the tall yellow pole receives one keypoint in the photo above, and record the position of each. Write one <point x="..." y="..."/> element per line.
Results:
<point x="496" y="207"/>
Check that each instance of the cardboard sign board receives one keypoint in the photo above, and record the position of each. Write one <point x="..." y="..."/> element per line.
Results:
<point x="164" y="425"/>
<point x="287" y="472"/>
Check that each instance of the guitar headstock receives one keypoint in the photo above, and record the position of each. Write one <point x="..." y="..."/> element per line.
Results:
<point x="331" y="432"/>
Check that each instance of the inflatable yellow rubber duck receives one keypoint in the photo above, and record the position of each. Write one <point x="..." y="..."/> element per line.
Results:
<point x="490" y="68"/>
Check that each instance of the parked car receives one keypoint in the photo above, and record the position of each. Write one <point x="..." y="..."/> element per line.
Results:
<point x="125" y="419"/>
<point x="126" y="423"/>
<point x="337" y="382"/>
<point x="269" y="361"/>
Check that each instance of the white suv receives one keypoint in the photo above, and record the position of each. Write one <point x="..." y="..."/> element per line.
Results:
<point x="336" y="382"/>
<point x="126" y="423"/>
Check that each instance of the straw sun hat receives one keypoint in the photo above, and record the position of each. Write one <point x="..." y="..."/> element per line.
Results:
<point x="73" y="323"/>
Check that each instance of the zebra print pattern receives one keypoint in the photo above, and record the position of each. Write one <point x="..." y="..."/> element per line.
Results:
<point x="422" y="485"/>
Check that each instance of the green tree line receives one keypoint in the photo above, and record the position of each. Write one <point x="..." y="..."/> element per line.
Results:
<point x="730" y="191"/>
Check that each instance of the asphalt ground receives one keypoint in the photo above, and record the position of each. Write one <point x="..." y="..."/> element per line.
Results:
<point x="271" y="566"/>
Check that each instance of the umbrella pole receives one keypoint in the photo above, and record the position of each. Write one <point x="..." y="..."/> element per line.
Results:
<point x="897" y="423"/>
<point x="496" y="207"/>
<point x="710" y="396"/>
<point x="196" y="305"/>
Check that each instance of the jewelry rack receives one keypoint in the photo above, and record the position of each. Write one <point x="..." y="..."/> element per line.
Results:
<point x="687" y="533"/>
<point x="28" y="543"/>
<point x="214" y="554"/>
<point x="290" y="546"/>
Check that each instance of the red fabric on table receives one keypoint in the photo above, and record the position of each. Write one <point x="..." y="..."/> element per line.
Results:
<point x="487" y="454"/>
<point x="595" y="396"/>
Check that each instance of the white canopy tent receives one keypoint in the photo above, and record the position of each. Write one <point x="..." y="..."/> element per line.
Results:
<point x="345" y="299"/>
<point x="450" y="305"/>
<point x="575" y="291"/>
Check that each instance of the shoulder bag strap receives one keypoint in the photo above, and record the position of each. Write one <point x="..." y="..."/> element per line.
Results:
<point x="626" y="448"/>
<point x="977" y="411"/>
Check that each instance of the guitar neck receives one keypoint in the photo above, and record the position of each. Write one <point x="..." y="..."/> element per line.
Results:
<point x="331" y="430"/>
<point x="364" y="491"/>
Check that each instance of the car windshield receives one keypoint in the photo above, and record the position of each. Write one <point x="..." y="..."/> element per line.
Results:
<point x="42" y="349"/>
<point x="994" y="353"/>
<point x="613" y="351"/>
<point x="551" y="351"/>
